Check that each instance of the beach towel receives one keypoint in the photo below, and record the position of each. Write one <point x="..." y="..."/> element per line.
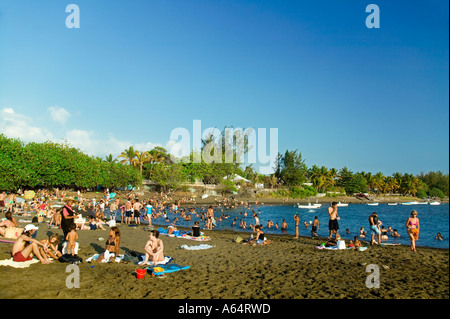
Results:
<point x="161" y="270"/>
<point x="94" y="257"/>
<point x="17" y="264"/>
<point x="198" y="247"/>
<point x="182" y="234"/>
<point x="166" y="260"/>
<point x="6" y="241"/>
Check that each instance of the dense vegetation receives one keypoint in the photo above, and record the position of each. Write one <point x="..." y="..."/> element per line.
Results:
<point x="48" y="164"/>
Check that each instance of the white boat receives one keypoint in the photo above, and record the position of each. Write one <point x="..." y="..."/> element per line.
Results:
<point x="392" y="204"/>
<point x="410" y="203"/>
<point x="372" y="204"/>
<point x="309" y="206"/>
<point x="435" y="203"/>
<point x="422" y="203"/>
<point x="342" y="204"/>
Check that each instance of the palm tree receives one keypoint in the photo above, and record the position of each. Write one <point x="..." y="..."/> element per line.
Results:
<point x="110" y="159"/>
<point x="128" y="156"/>
<point x="140" y="158"/>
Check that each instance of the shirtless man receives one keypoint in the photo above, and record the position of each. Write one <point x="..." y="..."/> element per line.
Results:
<point x="137" y="212"/>
<point x="315" y="226"/>
<point x="128" y="212"/>
<point x="209" y="218"/>
<point x="333" y="224"/>
<point x="25" y="246"/>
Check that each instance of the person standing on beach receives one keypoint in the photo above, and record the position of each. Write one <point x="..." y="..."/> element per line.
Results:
<point x="67" y="217"/>
<point x="333" y="224"/>
<point x="209" y="217"/>
<point x="137" y="211"/>
<point x="128" y="212"/>
<point x="315" y="226"/>
<point x="374" y="228"/>
<point x="413" y="228"/>
<point x="297" y="221"/>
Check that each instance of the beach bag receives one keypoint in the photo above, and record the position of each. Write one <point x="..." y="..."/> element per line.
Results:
<point x="130" y="256"/>
<point x="67" y="258"/>
<point x="112" y="223"/>
<point x="238" y="239"/>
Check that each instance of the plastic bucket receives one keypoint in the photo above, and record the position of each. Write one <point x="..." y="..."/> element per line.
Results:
<point x="140" y="273"/>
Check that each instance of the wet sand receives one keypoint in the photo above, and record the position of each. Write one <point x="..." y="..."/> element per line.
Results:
<point x="287" y="268"/>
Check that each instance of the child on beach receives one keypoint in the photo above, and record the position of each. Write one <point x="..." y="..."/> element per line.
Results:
<point x="52" y="246"/>
<point x="362" y="233"/>
<point x="72" y="238"/>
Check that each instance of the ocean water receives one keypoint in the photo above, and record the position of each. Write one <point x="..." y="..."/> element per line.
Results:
<point x="433" y="219"/>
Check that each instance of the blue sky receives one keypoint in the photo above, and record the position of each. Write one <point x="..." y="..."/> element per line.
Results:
<point x="338" y="92"/>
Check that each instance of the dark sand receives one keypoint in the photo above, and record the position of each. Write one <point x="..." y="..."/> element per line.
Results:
<point x="288" y="268"/>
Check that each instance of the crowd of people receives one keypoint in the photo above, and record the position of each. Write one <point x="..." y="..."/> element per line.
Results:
<point x="131" y="211"/>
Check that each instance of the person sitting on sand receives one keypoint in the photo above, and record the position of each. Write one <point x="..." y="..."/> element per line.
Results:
<point x="196" y="229"/>
<point x="112" y="246"/>
<point x="25" y="247"/>
<point x="356" y="243"/>
<point x="52" y="246"/>
<point x="154" y="248"/>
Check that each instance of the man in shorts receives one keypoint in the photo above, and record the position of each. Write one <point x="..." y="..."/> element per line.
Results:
<point x="128" y="212"/>
<point x="137" y="212"/>
<point x="333" y="224"/>
<point x="374" y="228"/>
<point x="25" y="247"/>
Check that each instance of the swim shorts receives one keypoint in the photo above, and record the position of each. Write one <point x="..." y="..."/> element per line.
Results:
<point x="374" y="230"/>
<point x="137" y="213"/>
<point x="314" y="229"/>
<point x="20" y="258"/>
<point x="333" y="224"/>
<point x="128" y="213"/>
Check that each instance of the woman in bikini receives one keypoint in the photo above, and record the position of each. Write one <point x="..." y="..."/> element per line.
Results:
<point x="112" y="245"/>
<point x="412" y="228"/>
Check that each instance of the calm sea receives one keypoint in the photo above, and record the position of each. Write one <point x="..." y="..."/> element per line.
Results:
<point x="433" y="219"/>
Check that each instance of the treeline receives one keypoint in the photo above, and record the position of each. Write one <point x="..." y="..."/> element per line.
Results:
<point x="50" y="165"/>
<point x="291" y="171"/>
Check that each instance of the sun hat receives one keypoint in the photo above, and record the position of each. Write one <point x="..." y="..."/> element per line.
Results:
<point x="30" y="227"/>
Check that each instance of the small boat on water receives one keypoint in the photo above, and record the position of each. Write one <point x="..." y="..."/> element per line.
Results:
<point x="373" y="204"/>
<point x="309" y="206"/>
<point x="342" y="204"/>
<point x="411" y="203"/>
<point x="392" y="204"/>
<point x="435" y="203"/>
<point x="422" y="203"/>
